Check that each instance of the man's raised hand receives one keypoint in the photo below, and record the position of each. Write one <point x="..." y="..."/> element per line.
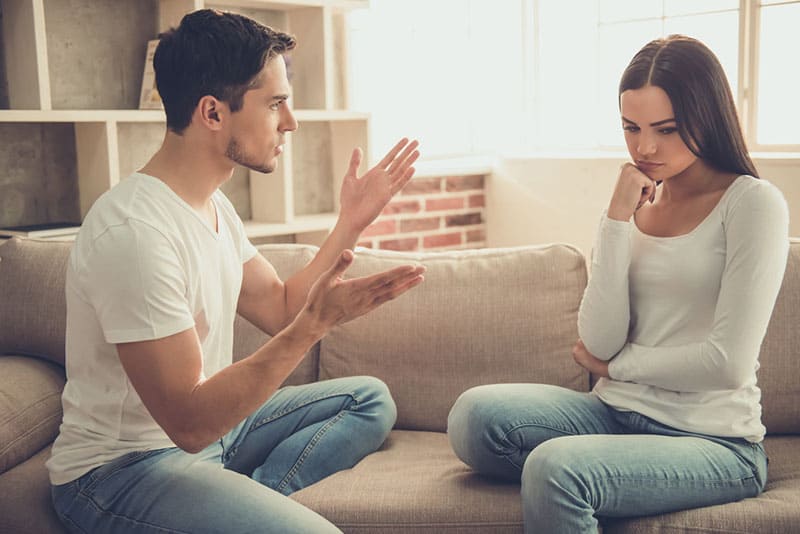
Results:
<point x="362" y="199"/>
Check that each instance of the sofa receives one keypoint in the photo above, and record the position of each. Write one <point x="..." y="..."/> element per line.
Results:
<point x="482" y="316"/>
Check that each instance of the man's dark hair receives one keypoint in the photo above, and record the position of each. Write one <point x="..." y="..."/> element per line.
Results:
<point x="212" y="53"/>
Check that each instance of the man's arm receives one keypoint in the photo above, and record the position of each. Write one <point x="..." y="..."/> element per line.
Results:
<point x="195" y="411"/>
<point x="271" y="304"/>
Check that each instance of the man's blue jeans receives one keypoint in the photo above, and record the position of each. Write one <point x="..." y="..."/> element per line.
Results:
<point x="299" y="436"/>
<point x="579" y="459"/>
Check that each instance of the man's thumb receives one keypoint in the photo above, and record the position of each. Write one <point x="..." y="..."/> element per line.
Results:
<point x="341" y="264"/>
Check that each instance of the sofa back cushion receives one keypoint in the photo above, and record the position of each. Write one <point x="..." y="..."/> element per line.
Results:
<point x="480" y="317"/>
<point x="287" y="259"/>
<point x="779" y="375"/>
<point x="33" y="313"/>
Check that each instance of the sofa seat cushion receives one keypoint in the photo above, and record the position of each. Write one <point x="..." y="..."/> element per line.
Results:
<point x="415" y="483"/>
<point x="776" y="511"/>
<point x="25" y="505"/>
<point x="481" y="317"/>
<point x="30" y="407"/>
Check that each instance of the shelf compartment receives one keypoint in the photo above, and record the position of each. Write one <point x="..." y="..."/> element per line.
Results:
<point x="39" y="181"/>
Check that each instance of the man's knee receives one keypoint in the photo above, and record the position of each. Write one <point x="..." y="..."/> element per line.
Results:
<point x="374" y="397"/>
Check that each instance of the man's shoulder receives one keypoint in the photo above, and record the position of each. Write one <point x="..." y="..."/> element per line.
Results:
<point x="135" y="200"/>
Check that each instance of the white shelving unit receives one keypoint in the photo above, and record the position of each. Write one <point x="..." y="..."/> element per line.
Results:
<point x="44" y="43"/>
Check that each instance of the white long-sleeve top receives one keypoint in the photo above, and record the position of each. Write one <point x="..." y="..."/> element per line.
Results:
<point x="682" y="318"/>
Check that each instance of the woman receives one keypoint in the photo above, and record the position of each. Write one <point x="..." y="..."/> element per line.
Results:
<point x="688" y="262"/>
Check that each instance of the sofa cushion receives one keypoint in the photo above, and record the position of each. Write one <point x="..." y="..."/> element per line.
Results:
<point x="26" y="505"/>
<point x="780" y="355"/>
<point x="481" y="316"/>
<point x="415" y="483"/>
<point x="33" y="316"/>
<point x="287" y="259"/>
<point x="775" y="511"/>
<point x="30" y="407"/>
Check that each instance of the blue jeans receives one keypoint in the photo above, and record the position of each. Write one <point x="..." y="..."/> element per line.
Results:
<point x="239" y="484"/>
<point x="579" y="459"/>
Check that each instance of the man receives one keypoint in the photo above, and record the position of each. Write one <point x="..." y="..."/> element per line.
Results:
<point x="161" y="432"/>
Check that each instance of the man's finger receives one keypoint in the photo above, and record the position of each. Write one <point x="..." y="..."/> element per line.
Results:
<point x="399" y="287"/>
<point x="341" y="264"/>
<point x="384" y="279"/>
<point x="401" y="159"/>
<point x="389" y="157"/>
<point x="355" y="161"/>
<point x="400" y="169"/>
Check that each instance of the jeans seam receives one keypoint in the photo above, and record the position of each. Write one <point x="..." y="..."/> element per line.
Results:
<point x="102" y="511"/>
<point x="719" y="482"/>
<point x="307" y="450"/>
<point x="94" y="479"/>
<point x="280" y="414"/>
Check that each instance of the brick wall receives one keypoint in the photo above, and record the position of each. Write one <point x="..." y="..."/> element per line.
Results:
<point x="437" y="213"/>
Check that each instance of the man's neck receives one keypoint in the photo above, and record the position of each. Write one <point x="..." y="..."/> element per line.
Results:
<point x="191" y="167"/>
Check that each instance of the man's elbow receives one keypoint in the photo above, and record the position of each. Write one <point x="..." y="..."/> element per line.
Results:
<point x="187" y="436"/>
<point x="189" y="442"/>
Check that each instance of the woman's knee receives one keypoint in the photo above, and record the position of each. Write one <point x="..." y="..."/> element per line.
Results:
<point x="476" y="428"/>
<point x="555" y="466"/>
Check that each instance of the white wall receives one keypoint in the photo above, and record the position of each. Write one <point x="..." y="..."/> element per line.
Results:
<point x="549" y="200"/>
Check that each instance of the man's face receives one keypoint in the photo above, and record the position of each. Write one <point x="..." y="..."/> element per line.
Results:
<point x="258" y="129"/>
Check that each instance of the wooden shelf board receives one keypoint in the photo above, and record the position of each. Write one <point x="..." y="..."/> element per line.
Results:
<point x="289" y="4"/>
<point x="300" y="224"/>
<point x="81" y="115"/>
<point x="135" y="115"/>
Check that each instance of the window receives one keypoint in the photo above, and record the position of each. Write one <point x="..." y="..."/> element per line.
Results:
<point x="521" y="76"/>
<point x="778" y="109"/>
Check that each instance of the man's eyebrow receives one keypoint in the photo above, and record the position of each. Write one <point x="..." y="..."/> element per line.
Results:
<point x="657" y="123"/>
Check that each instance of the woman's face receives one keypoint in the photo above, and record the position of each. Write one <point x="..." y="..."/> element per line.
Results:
<point x="651" y="133"/>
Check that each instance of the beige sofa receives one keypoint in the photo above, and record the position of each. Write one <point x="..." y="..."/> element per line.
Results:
<point x="481" y="317"/>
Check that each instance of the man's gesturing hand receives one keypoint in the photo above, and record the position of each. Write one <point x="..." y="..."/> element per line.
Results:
<point x="333" y="300"/>
<point x="363" y="199"/>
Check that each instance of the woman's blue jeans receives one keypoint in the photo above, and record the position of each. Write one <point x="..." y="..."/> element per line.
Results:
<point x="299" y="436"/>
<point x="578" y="459"/>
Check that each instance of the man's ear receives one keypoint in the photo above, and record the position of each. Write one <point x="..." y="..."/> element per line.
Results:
<point x="211" y="112"/>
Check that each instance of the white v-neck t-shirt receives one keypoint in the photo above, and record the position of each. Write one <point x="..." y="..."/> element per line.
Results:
<point x="684" y="317"/>
<point x="144" y="266"/>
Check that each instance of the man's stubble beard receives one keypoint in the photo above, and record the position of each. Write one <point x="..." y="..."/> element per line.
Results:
<point x="234" y="152"/>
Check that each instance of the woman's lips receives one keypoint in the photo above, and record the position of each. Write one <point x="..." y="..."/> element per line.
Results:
<point x="648" y="166"/>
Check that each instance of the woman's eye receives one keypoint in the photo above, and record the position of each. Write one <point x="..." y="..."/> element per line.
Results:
<point x="667" y="131"/>
<point x="630" y="128"/>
